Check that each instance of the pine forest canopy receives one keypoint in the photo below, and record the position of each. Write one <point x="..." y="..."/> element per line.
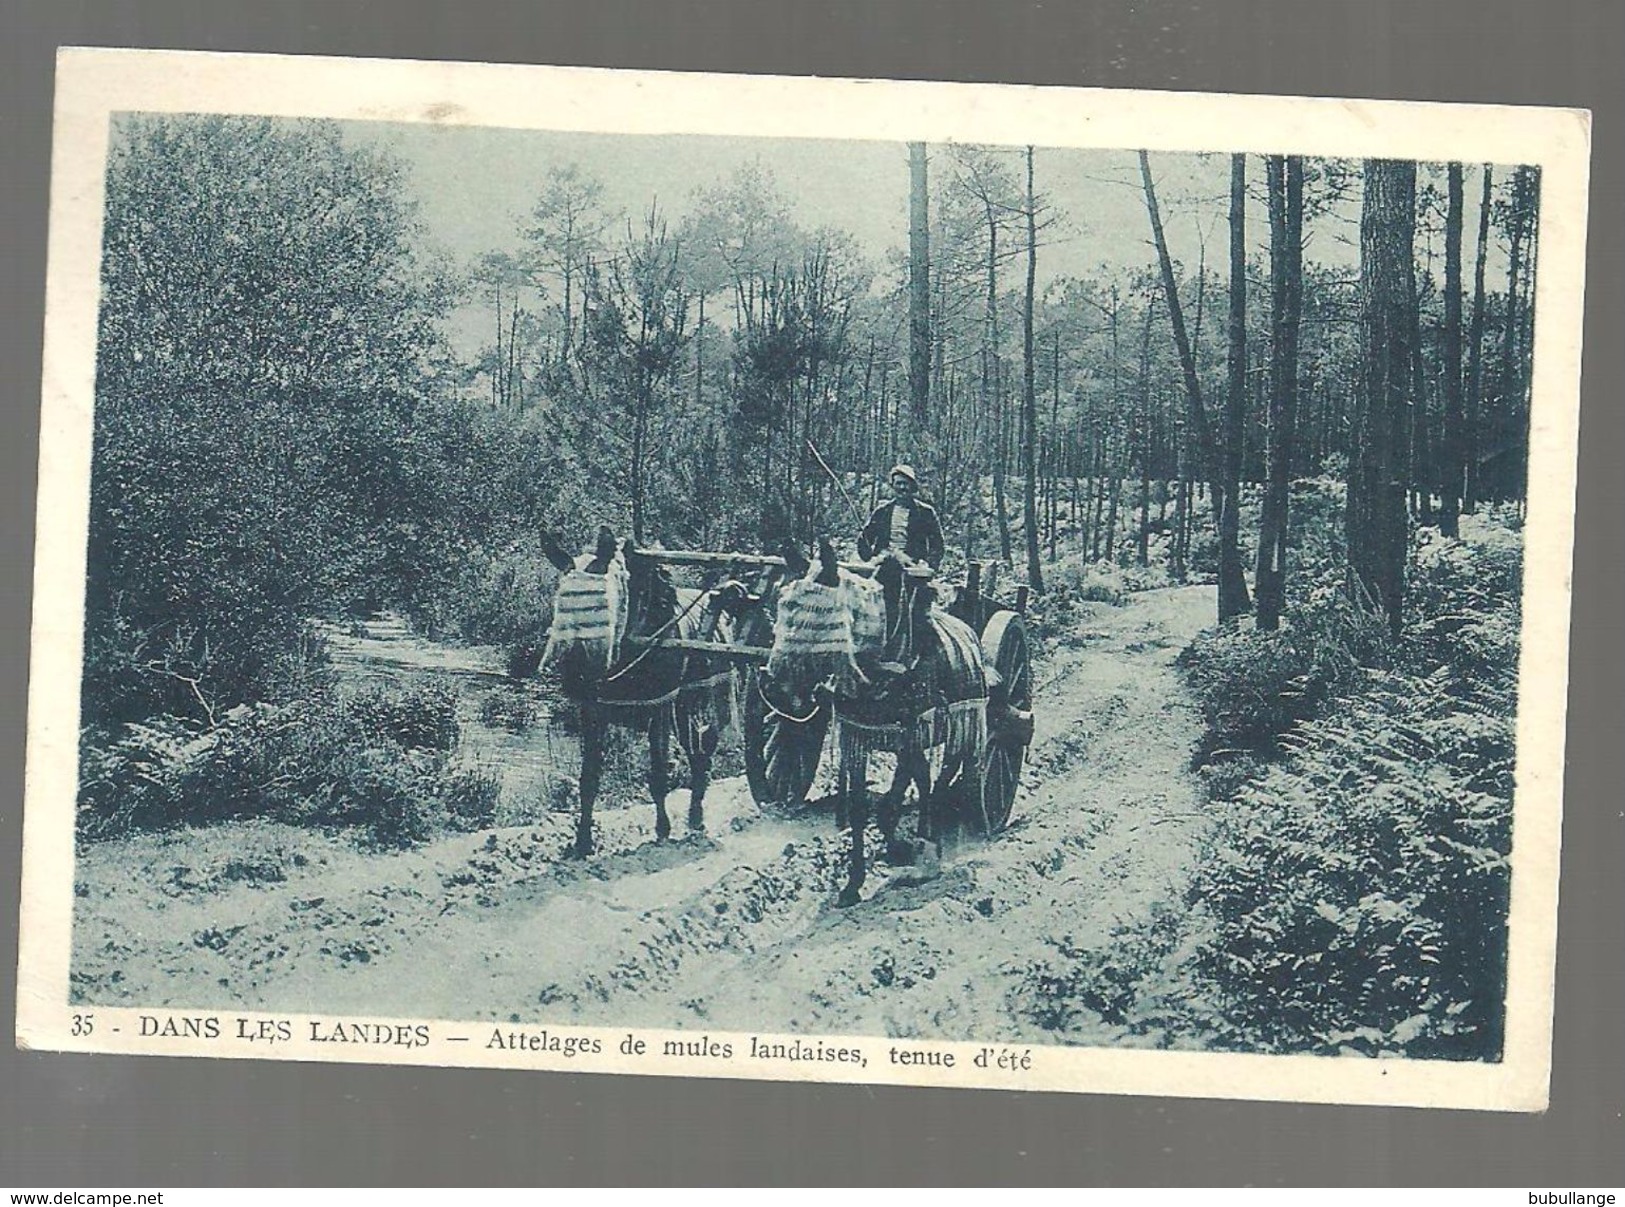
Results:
<point x="344" y="365"/>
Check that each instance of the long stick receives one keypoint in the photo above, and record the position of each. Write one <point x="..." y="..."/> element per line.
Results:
<point x="839" y="485"/>
<point x="696" y="557"/>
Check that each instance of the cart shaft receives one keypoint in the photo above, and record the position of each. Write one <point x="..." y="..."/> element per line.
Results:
<point x="718" y="649"/>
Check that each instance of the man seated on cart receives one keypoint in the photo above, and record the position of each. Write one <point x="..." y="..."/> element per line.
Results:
<point x="907" y="526"/>
<point x="909" y="530"/>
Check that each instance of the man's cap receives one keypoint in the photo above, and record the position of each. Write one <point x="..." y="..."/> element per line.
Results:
<point x="906" y="471"/>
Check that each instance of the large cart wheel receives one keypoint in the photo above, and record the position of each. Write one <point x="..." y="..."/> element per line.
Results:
<point x="782" y="751"/>
<point x="1007" y="650"/>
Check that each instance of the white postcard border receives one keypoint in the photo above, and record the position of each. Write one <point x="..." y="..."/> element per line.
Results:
<point x="93" y="84"/>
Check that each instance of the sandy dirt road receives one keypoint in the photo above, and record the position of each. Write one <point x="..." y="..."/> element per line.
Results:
<point x="733" y="931"/>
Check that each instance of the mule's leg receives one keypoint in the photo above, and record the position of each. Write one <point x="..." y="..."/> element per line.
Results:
<point x="857" y="816"/>
<point x="890" y="806"/>
<point x="702" y="748"/>
<point x="898" y="852"/>
<point x="942" y="821"/>
<point x="930" y="848"/>
<point x="660" y="769"/>
<point x="840" y="799"/>
<point x="592" y="770"/>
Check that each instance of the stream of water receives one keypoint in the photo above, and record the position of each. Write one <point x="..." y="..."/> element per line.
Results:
<point x="507" y="727"/>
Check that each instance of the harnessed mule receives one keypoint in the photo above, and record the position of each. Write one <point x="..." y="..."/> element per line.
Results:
<point x="616" y="680"/>
<point x="925" y="692"/>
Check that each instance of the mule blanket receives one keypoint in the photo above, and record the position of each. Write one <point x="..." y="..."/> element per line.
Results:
<point x="819" y="630"/>
<point x="589" y="613"/>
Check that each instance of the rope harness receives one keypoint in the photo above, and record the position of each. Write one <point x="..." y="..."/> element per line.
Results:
<point x="656" y="636"/>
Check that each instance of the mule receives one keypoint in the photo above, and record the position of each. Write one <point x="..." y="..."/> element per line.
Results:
<point x="620" y="681"/>
<point x="924" y="693"/>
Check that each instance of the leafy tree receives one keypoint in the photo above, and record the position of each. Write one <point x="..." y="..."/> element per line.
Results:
<point x="261" y="445"/>
<point x="566" y="232"/>
<point x="635" y="333"/>
<point x="248" y="255"/>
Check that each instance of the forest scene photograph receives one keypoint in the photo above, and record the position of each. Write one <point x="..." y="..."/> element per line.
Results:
<point x="920" y="591"/>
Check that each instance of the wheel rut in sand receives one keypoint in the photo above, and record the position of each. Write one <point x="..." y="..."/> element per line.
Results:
<point x="736" y="930"/>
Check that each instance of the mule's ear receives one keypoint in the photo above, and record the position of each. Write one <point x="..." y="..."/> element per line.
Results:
<point x="553" y="550"/>
<point x="795" y="561"/>
<point x="829" y="569"/>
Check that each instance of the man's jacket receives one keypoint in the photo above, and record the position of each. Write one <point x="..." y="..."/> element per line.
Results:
<point x="923" y="542"/>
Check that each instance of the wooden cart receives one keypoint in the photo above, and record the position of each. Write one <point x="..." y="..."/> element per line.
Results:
<point x="783" y="751"/>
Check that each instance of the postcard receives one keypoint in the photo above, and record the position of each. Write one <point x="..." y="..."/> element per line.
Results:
<point x="802" y="579"/>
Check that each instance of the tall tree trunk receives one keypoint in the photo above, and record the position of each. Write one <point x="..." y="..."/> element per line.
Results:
<point x="1507" y="386"/>
<point x="1114" y="464"/>
<point x="1115" y="490"/>
<point x="699" y="357"/>
<point x="1091" y="509"/>
<point x="1233" y="599"/>
<point x="1001" y="439"/>
<point x="639" y="421"/>
<point x="1187" y="361"/>
<point x="512" y="390"/>
<point x="991" y="383"/>
<point x="569" y="312"/>
<point x="497" y="397"/>
<point x="1029" y="394"/>
<point x="919" y="286"/>
<point x="1376" y="518"/>
<point x="1182" y="512"/>
<point x="1422" y="468"/>
<point x="1525" y="372"/>
<point x="1143" y="442"/>
<point x="1475" y="354"/>
<point x="1286" y="290"/>
<point x="1450" y="458"/>
<point x="1056" y="466"/>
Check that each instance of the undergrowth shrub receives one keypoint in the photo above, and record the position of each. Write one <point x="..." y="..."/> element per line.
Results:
<point x="377" y="760"/>
<point x="512" y="706"/>
<point x="1083" y="983"/>
<point x="507" y="600"/>
<point x="1202" y="558"/>
<point x="389" y="796"/>
<point x="1074" y="580"/>
<point x="1356" y="892"/>
<point x="421" y="717"/>
<point x="1464" y="608"/>
<point x="1360" y="885"/>
<point x="1254" y="686"/>
<point x="469" y="797"/>
<point x="1152" y="577"/>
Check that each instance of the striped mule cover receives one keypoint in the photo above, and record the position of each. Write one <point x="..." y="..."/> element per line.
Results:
<point x="812" y="632"/>
<point x="818" y="630"/>
<point x="866" y="604"/>
<point x="589" y="613"/>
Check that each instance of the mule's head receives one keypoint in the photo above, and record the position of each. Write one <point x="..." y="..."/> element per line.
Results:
<point x="889" y="572"/>
<point x="812" y="627"/>
<point x="591" y="612"/>
<point x="651" y="594"/>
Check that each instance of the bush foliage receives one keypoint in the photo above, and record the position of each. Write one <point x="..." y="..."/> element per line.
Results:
<point x="278" y="435"/>
<point x="377" y="760"/>
<point x="1358" y="884"/>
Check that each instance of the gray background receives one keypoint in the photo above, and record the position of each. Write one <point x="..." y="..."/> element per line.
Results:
<point x="75" y="1120"/>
